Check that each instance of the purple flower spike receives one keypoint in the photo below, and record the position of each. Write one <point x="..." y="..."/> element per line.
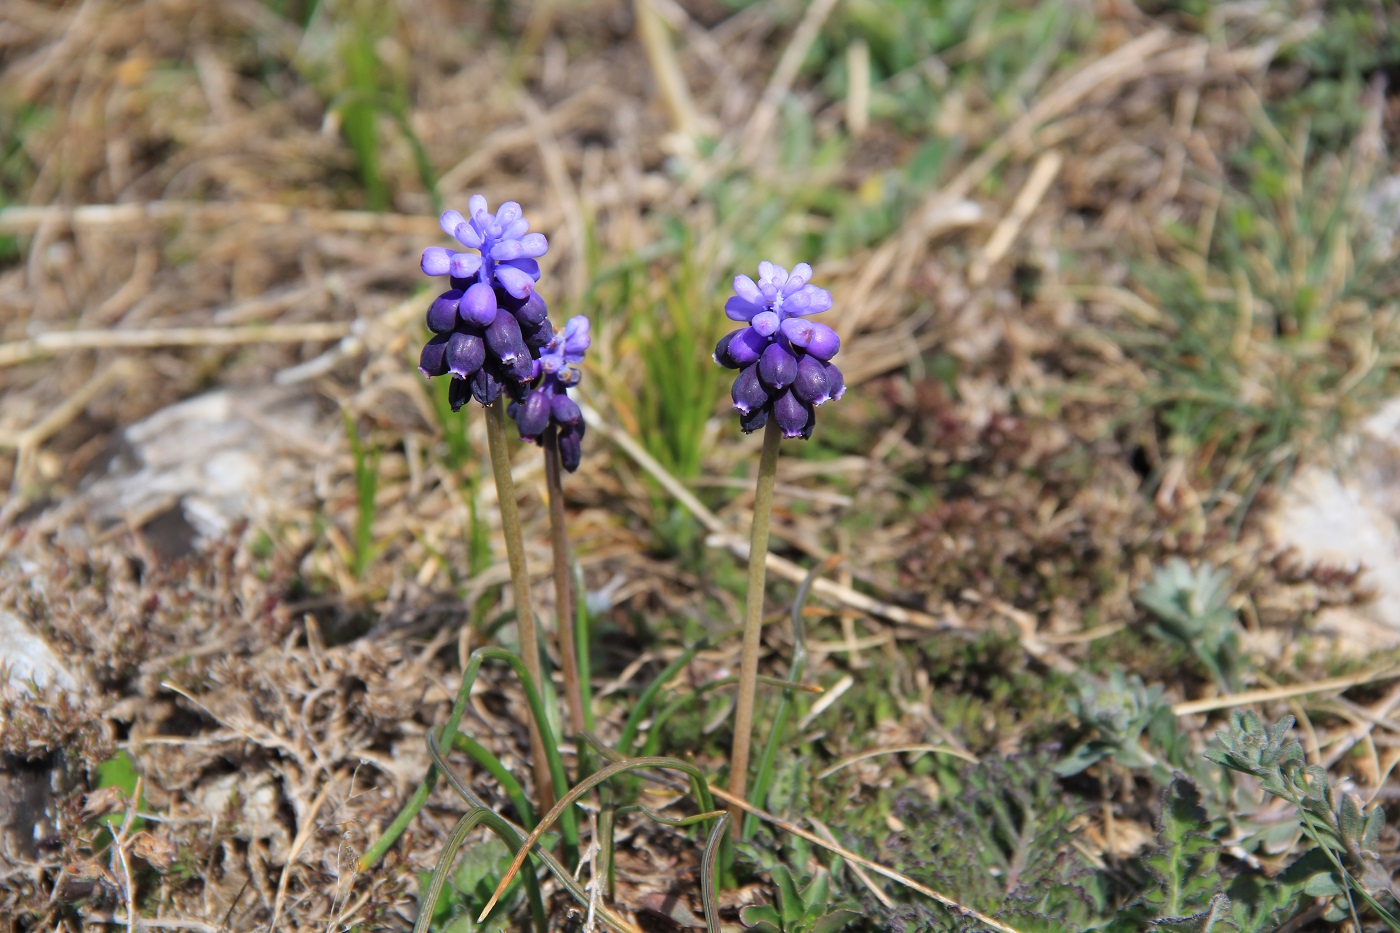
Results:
<point x="782" y="358"/>
<point x="491" y="323"/>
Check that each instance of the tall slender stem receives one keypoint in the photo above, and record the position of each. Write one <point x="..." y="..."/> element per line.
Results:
<point x="524" y="612"/>
<point x="563" y="589"/>
<point x="753" y="621"/>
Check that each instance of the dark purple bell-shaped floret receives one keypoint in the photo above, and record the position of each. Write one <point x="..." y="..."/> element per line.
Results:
<point x="748" y="392"/>
<point x="532" y="415"/>
<point x="532" y="311"/>
<point x="459" y="392"/>
<point x="570" y="449"/>
<point x="836" y="383"/>
<point x="739" y="348"/>
<point x="793" y="417"/>
<point x="486" y="388"/>
<point x="565" y="410"/>
<point x="442" y="314"/>
<point x="505" y="340"/>
<point x="777" y="367"/>
<point x="812" y="384"/>
<point x="465" y="353"/>
<point x="753" y="420"/>
<point x="433" y="360"/>
<point x="537" y="337"/>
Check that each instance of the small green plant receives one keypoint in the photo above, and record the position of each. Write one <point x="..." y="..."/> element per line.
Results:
<point x="1192" y="609"/>
<point x="1002" y="837"/>
<point x="469" y="888"/>
<point x="344" y="55"/>
<point x="366" y="491"/>
<point x="1339" y="826"/>
<point x="1120" y="711"/>
<point x="806" y="911"/>
<point x="1186" y="885"/>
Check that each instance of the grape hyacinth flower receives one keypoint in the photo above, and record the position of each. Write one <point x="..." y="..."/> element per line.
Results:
<point x="490" y="326"/>
<point x="783" y="359"/>
<point x="785" y="373"/>
<point x="488" y="331"/>
<point x="547" y="401"/>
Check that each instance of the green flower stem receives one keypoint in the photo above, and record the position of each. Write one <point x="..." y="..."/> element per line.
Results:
<point x="524" y="613"/>
<point x="563" y="601"/>
<point x="753" y="622"/>
<point x="583" y="636"/>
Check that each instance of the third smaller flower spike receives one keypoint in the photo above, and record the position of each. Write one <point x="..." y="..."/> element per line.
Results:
<point x="783" y="359"/>
<point x="547" y="400"/>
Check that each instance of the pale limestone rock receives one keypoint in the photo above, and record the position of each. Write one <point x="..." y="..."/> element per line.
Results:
<point x="1348" y="514"/>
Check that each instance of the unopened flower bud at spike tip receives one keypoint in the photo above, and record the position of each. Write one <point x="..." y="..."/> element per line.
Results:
<point x="782" y="359"/>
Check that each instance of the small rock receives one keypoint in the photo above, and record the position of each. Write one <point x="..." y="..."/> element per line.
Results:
<point x="189" y="473"/>
<point x="1348" y="515"/>
<point x="26" y="658"/>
